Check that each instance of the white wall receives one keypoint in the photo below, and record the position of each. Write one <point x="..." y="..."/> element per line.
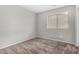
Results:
<point x="67" y="35"/>
<point x="16" y="25"/>
<point x="77" y="25"/>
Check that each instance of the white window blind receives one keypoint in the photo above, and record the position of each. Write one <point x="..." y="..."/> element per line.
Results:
<point x="58" y="21"/>
<point x="62" y="21"/>
<point x="51" y="22"/>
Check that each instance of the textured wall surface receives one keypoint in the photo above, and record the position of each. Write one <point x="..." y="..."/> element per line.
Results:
<point x="66" y="35"/>
<point x="16" y="25"/>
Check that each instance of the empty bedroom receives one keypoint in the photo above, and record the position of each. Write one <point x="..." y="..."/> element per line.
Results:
<point x="39" y="29"/>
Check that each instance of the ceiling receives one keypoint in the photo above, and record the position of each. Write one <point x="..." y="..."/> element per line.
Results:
<point x="40" y="8"/>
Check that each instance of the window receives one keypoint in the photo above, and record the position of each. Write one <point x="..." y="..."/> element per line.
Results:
<point x="62" y="21"/>
<point x="52" y="22"/>
<point x="58" y="21"/>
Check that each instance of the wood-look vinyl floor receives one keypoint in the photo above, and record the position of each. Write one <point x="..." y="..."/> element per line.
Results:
<point x="41" y="46"/>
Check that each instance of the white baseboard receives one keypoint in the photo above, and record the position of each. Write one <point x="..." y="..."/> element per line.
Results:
<point x="55" y="39"/>
<point x="17" y="42"/>
<point x="31" y="37"/>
